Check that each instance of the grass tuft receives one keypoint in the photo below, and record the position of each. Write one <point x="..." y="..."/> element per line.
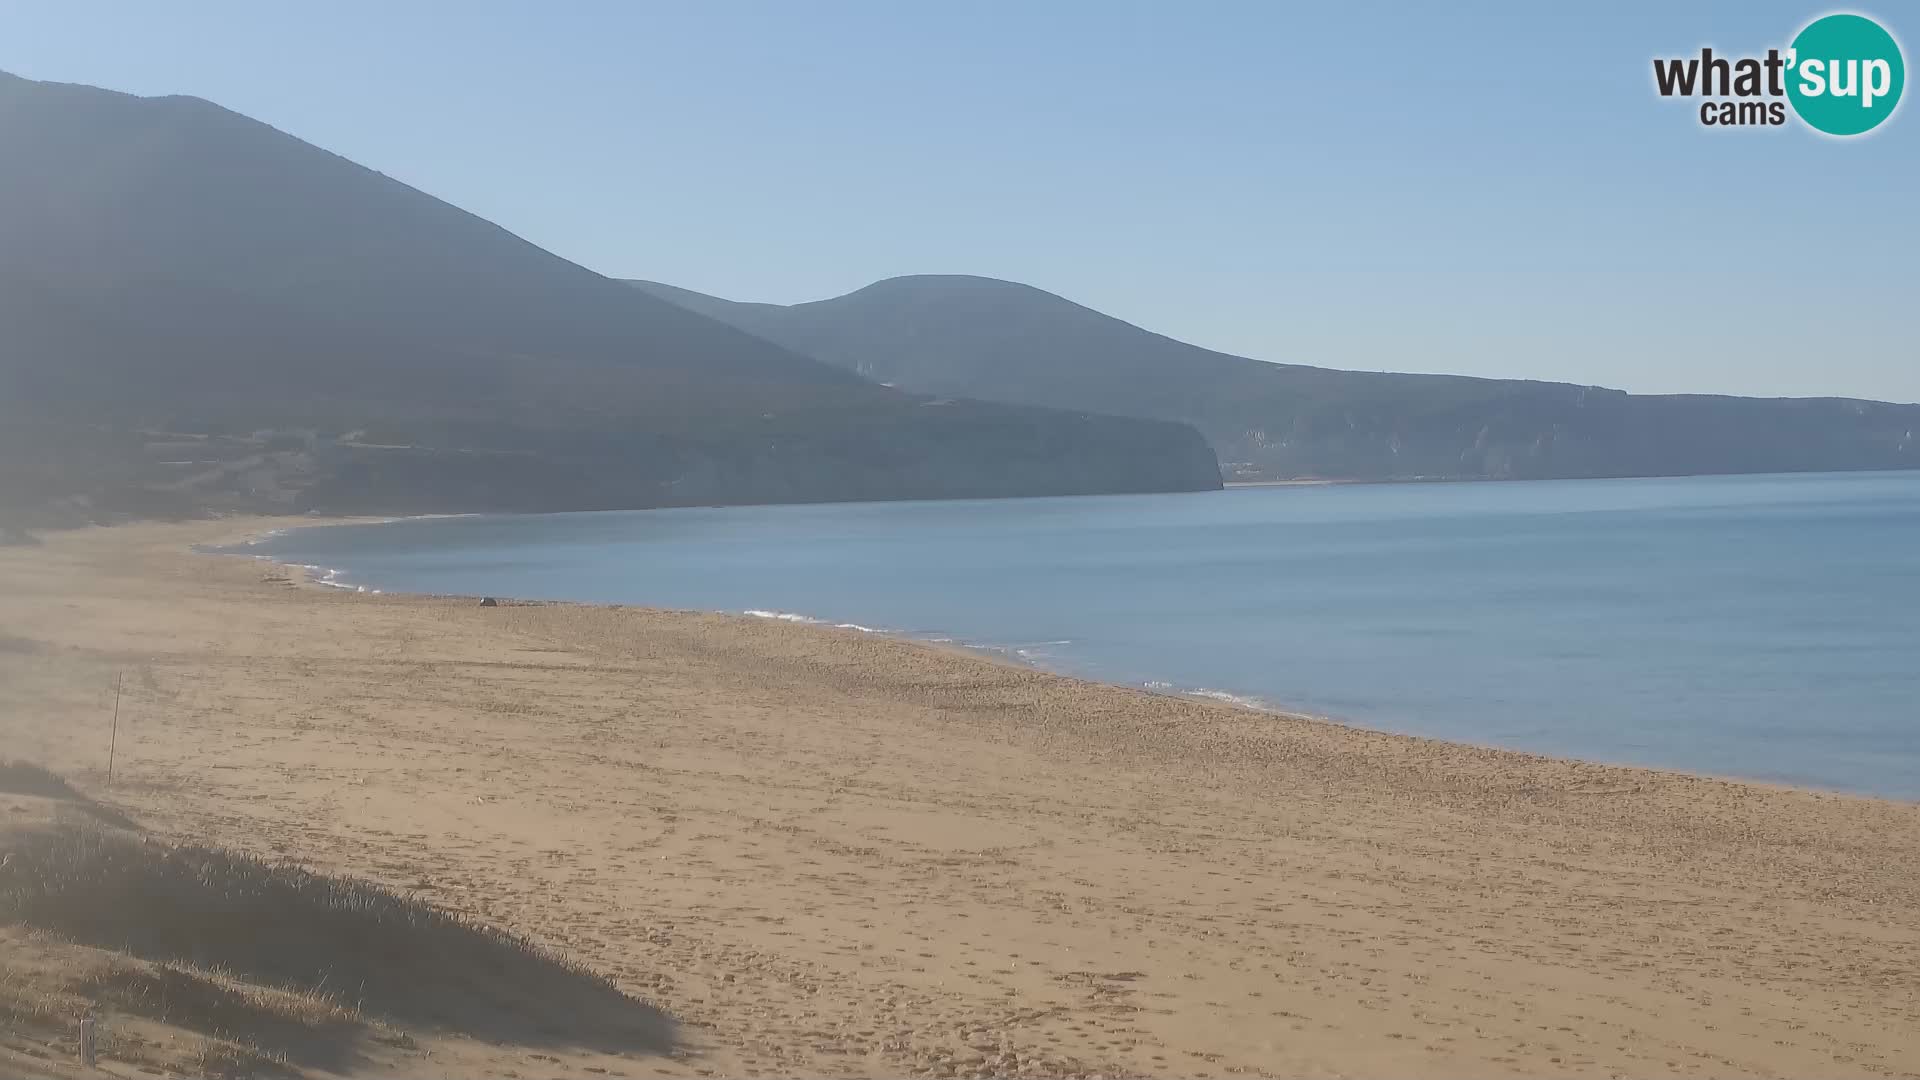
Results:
<point x="275" y="1026"/>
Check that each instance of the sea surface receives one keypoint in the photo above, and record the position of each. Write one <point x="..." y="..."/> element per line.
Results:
<point x="1756" y="626"/>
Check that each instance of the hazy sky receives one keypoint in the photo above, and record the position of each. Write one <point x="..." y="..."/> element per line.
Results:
<point x="1494" y="191"/>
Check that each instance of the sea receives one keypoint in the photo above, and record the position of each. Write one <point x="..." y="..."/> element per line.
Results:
<point x="1765" y="627"/>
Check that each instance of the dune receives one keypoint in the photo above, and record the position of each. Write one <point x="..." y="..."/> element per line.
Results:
<point x="207" y="961"/>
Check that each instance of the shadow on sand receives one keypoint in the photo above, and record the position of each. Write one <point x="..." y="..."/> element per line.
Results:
<point x="26" y="778"/>
<point x="350" y="950"/>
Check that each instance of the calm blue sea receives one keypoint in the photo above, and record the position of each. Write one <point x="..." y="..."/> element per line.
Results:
<point x="1757" y="626"/>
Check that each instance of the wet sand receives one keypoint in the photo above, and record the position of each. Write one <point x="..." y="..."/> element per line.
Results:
<point x="835" y="853"/>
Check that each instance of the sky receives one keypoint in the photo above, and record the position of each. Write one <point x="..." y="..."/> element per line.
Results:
<point x="1487" y="190"/>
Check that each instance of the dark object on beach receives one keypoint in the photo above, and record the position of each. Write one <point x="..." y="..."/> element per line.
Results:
<point x="489" y="601"/>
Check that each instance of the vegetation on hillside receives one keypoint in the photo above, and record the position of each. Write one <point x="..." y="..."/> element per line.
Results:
<point x="1004" y="341"/>
<point x="171" y="271"/>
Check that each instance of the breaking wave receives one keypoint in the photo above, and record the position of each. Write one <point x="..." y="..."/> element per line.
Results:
<point x="808" y="620"/>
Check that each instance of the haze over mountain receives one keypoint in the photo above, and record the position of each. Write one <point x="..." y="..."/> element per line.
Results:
<point x="1003" y="341"/>
<point x="199" y="308"/>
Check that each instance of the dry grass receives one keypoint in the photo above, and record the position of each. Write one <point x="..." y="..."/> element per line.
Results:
<point x="230" y="1061"/>
<point x="282" y="926"/>
<point x="271" y="967"/>
<point x="270" y="1029"/>
<point x="163" y="1017"/>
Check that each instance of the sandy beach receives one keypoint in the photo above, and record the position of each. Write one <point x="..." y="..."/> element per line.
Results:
<point x="838" y="854"/>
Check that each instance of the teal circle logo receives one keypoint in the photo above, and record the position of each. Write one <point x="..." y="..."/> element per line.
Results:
<point x="1845" y="74"/>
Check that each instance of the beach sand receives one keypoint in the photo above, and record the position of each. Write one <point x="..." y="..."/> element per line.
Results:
<point x="839" y="854"/>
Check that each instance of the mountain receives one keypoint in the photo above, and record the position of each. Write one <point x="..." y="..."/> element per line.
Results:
<point x="1003" y="341"/>
<point x="202" y="310"/>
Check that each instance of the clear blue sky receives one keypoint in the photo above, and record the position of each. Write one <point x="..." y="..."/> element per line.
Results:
<point x="1492" y="191"/>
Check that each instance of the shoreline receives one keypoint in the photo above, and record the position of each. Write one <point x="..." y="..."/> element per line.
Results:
<point x="833" y="853"/>
<point x="317" y="577"/>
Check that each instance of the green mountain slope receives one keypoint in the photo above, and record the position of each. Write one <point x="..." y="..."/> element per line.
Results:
<point x="202" y="310"/>
<point x="1009" y="342"/>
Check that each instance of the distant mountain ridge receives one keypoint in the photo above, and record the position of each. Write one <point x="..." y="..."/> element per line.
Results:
<point x="200" y="309"/>
<point x="1003" y="341"/>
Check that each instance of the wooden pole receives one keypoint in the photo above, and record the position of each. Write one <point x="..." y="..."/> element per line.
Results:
<point x="113" y="744"/>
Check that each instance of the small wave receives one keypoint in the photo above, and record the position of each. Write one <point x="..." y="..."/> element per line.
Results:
<point x="322" y="575"/>
<point x="1034" y="651"/>
<point x="1231" y="699"/>
<point x="808" y="620"/>
<point x="783" y="616"/>
<point x="1160" y="686"/>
